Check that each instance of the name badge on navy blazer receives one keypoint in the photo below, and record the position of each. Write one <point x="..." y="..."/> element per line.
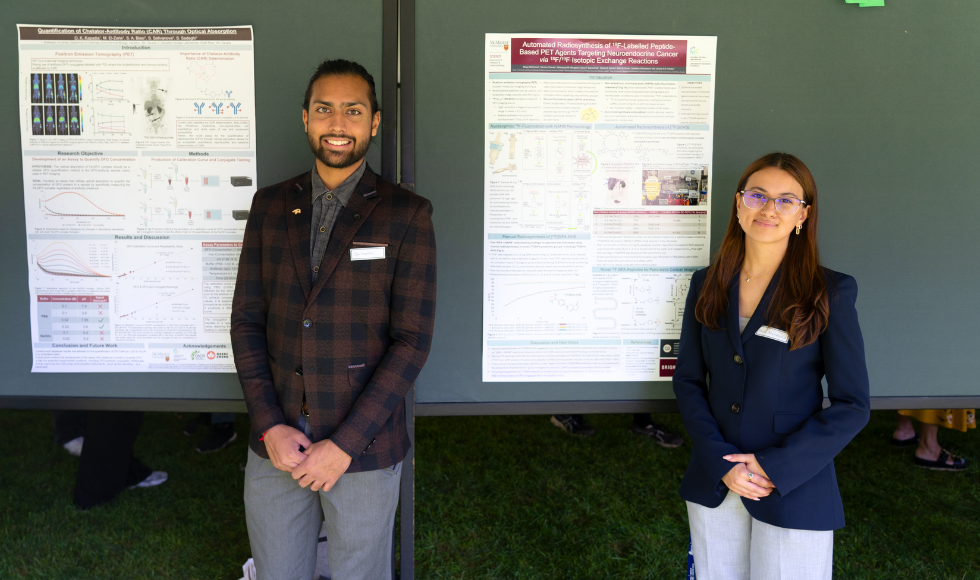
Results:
<point x="773" y="333"/>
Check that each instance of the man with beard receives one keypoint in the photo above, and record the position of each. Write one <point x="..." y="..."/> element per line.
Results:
<point x="331" y="323"/>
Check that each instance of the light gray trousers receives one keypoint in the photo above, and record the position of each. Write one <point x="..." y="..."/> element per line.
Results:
<point x="284" y="521"/>
<point x="728" y="544"/>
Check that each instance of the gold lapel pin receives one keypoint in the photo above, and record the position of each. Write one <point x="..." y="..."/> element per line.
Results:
<point x="296" y="212"/>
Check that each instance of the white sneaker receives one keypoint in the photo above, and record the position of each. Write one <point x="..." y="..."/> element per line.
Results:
<point x="74" y="446"/>
<point x="155" y="478"/>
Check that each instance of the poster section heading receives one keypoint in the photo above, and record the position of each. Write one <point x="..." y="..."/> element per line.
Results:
<point x="138" y="148"/>
<point x="598" y="55"/>
<point x="597" y="179"/>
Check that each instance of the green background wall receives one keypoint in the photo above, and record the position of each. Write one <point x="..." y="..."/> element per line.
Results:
<point x="290" y="38"/>
<point x="881" y="103"/>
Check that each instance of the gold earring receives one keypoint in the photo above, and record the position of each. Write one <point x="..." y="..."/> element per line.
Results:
<point x="798" y="227"/>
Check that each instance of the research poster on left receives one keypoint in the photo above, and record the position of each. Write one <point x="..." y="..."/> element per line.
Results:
<point x="139" y="169"/>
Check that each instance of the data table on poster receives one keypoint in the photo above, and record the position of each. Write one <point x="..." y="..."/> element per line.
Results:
<point x="73" y="319"/>
<point x="649" y="223"/>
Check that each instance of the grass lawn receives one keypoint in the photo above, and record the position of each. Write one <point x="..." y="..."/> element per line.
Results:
<point x="496" y="497"/>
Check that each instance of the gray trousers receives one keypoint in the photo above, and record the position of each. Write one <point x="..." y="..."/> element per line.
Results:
<point x="728" y="544"/>
<point x="284" y="521"/>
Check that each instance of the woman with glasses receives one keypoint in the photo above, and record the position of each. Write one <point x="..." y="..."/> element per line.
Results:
<point x="763" y="324"/>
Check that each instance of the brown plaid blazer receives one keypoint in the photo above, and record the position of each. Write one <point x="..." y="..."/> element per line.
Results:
<point x="356" y="340"/>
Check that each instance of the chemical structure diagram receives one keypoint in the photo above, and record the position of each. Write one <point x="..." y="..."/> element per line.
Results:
<point x="203" y="74"/>
<point x="618" y="144"/>
<point x="559" y="302"/>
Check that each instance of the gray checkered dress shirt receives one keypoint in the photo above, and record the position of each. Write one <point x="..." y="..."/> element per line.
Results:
<point x="326" y="207"/>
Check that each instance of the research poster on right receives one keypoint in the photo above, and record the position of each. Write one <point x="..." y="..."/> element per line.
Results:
<point x="597" y="181"/>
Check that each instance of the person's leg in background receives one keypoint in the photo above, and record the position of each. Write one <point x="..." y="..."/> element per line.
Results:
<point x="221" y="434"/>
<point x="574" y="424"/>
<point x="69" y="430"/>
<point x="196" y="422"/>
<point x="929" y="453"/>
<point x="221" y="430"/>
<point x="108" y="465"/>
<point x="643" y="424"/>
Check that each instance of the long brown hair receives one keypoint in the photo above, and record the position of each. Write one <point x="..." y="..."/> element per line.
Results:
<point x="800" y="303"/>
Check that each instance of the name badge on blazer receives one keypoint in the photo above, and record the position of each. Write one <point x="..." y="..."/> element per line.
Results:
<point x="371" y="253"/>
<point x="773" y="333"/>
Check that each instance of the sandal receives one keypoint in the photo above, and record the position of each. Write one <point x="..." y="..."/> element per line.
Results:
<point x="959" y="463"/>
<point x="913" y="440"/>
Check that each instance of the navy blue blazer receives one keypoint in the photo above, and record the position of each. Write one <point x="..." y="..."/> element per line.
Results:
<point x="750" y="394"/>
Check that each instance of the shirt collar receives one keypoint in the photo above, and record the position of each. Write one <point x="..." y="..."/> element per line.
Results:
<point x="343" y="191"/>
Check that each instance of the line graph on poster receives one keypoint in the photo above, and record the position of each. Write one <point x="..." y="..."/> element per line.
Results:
<point x="523" y="299"/>
<point x="157" y="301"/>
<point x="108" y="123"/>
<point x="157" y="261"/>
<point x="108" y="89"/>
<point x="73" y="204"/>
<point x="74" y="260"/>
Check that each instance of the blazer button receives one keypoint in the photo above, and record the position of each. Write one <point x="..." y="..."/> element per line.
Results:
<point x="736" y="407"/>
<point x="307" y="322"/>
<point x="738" y="359"/>
<point x="357" y="216"/>
<point x="299" y="371"/>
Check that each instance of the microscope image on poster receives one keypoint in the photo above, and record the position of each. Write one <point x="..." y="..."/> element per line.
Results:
<point x="153" y="104"/>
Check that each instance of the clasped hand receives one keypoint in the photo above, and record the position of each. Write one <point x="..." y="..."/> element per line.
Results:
<point x="318" y="465"/>
<point x="747" y="478"/>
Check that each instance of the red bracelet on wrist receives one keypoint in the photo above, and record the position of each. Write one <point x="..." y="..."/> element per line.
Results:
<point x="262" y="436"/>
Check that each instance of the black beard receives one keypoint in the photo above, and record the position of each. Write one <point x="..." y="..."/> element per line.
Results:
<point x="350" y="158"/>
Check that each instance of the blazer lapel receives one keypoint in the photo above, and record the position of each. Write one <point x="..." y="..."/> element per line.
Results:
<point x="350" y="219"/>
<point x="731" y="316"/>
<point x="759" y="316"/>
<point x="299" y="210"/>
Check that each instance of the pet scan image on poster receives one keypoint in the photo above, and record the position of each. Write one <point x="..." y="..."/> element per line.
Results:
<point x="153" y="98"/>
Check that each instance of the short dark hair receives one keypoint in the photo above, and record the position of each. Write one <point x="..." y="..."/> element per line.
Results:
<point x="341" y="67"/>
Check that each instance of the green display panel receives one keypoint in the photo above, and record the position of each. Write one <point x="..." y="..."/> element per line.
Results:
<point x="881" y="103"/>
<point x="290" y="38"/>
